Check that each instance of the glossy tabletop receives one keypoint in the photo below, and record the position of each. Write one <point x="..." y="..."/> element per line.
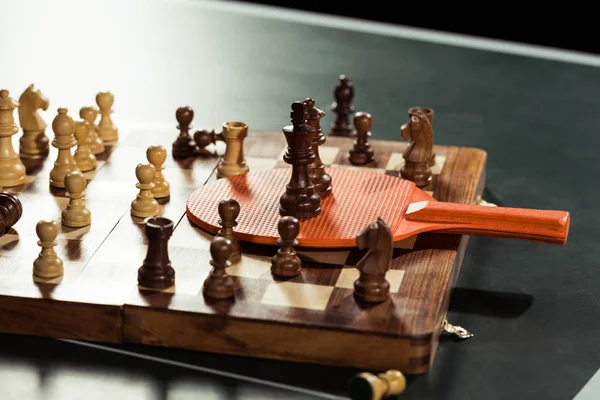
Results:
<point x="533" y="308"/>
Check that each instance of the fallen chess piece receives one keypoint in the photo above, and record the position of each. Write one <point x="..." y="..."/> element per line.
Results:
<point x="368" y="386"/>
<point x="11" y="211"/>
<point x="204" y="138"/>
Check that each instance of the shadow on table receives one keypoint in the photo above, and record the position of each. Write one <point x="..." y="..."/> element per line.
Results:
<point x="489" y="303"/>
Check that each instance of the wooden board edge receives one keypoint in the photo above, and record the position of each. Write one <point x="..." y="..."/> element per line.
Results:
<point x="222" y="335"/>
<point x="61" y="319"/>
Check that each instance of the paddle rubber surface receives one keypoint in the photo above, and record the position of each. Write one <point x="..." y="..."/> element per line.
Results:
<point x="358" y="198"/>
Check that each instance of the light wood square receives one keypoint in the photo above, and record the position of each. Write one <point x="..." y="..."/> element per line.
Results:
<point x="189" y="236"/>
<point x="90" y="174"/>
<point x="328" y="154"/>
<point x="349" y="274"/>
<point x="251" y="266"/>
<point x="260" y="164"/>
<point x="377" y="170"/>
<point x="396" y="162"/>
<point x="297" y="295"/>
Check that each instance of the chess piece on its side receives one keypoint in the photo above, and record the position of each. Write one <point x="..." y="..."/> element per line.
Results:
<point x="417" y="156"/>
<point x="362" y="152"/>
<point x="48" y="264"/>
<point x="342" y="107"/>
<point x="157" y="272"/>
<point x="107" y="131"/>
<point x="228" y="212"/>
<point x="183" y="146"/>
<point x="371" y="285"/>
<point x="12" y="170"/>
<point x="429" y="114"/>
<point x="300" y="198"/>
<point x="145" y="205"/>
<point x="11" y="211"/>
<point x="84" y="158"/>
<point x="64" y="140"/>
<point x="34" y="143"/>
<point x="286" y="263"/>
<point x="233" y="162"/>
<point x="316" y="170"/>
<point x="204" y="137"/>
<point x="90" y="114"/>
<point x="368" y="386"/>
<point x="76" y="214"/>
<point x="219" y="284"/>
<point x="157" y="155"/>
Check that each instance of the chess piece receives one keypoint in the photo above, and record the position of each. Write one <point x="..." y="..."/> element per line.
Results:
<point x="286" y="263"/>
<point x="204" y="138"/>
<point x="371" y="285"/>
<point x="12" y="170"/>
<point x="76" y="214"/>
<point x="156" y="272"/>
<point x="316" y="170"/>
<point x="362" y="152"/>
<point x="429" y="114"/>
<point x="64" y="140"/>
<point x="95" y="144"/>
<point x="107" y="131"/>
<point x="84" y="158"/>
<point x="34" y="143"/>
<point x="157" y="155"/>
<point x="300" y="198"/>
<point x="219" y="284"/>
<point x="418" y="154"/>
<point x="368" y="386"/>
<point x="228" y="212"/>
<point x="145" y="205"/>
<point x="48" y="264"/>
<point x="342" y="107"/>
<point x="11" y="211"/>
<point x="183" y="146"/>
<point x="233" y="162"/>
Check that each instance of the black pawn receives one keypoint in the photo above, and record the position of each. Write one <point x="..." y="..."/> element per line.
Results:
<point x="184" y="146"/>
<point x="219" y="285"/>
<point x="286" y="263"/>
<point x="11" y="211"/>
<point x="362" y="152"/>
<point x="342" y="107"/>
<point x="156" y="272"/>
<point x="228" y="212"/>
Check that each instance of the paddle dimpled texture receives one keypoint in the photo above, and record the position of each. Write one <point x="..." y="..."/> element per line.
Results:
<point x="358" y="198"/>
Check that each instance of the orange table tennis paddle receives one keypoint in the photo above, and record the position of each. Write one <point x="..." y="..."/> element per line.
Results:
<point x="358" y="198"/>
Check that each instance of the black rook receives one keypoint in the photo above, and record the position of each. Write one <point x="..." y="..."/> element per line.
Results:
<point x="157" y="272"/>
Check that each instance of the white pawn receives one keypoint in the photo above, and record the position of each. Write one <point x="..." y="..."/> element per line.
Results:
<point x="145" y="205"/>
<point x="157" y="155"/>
<point x="47" y="264"/>
<point x="85" y="159"/>
<point x="76" y="214"/>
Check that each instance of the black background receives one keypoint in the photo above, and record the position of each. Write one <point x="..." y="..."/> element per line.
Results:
<point x="571" y="27"/>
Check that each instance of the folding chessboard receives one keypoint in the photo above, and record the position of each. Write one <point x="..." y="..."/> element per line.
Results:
<point x="312" y="318"/>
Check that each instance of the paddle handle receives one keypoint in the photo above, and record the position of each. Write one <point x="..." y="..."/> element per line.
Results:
<point x="547" y="226"/>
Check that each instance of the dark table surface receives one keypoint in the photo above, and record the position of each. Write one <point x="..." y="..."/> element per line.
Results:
<point x="534" y="309"/>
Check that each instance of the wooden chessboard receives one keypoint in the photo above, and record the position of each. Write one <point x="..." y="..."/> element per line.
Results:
<point x="312" y="318"/>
